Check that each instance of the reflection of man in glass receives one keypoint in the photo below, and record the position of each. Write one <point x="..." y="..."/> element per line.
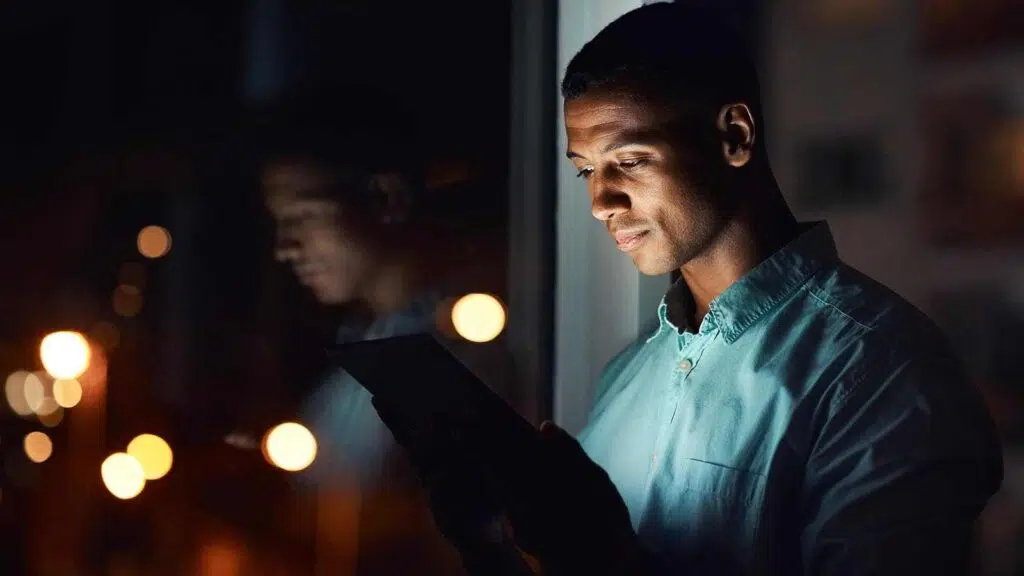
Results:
<point x="343" y="187"/>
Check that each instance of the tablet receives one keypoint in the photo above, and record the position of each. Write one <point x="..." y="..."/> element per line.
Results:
<point x="418" y="375"/>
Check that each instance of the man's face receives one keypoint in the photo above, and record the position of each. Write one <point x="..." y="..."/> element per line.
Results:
<point x="326" y="250"/>
<point x="651" y="175"/>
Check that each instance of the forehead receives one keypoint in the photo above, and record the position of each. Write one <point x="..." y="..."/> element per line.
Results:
<point x="604" y="115"/>
<point x="290" y="182"/>
<point x="290" y="176"/>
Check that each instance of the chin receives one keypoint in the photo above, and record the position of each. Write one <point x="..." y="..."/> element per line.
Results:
<point x="331" y="297"/>
<point x="651" y="265"/>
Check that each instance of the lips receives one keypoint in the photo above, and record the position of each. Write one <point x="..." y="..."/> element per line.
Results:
<point x="307" y="276"/>
<point x="629" y="240"/>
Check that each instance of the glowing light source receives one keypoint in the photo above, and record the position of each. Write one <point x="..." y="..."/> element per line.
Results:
<point x="47" y="406"/>
<point x="14" y="389"/>
<point x="290" y="446"/>
<point x="34" y="391"/>
<point x="51" y="419"/>
<point x="65" y="354"/>
<point x="478" y="317"/>
<point x="38" y="446"/>
<point x="67" y="392"/>
<point x="153" y="241"/>
<point x="153" y="453"/>
<point x="123" y="475"/>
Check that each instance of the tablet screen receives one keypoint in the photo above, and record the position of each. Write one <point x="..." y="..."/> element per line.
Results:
<point x="418" y="375"/>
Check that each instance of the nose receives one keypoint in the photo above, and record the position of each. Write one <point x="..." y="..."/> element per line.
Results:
<point x="606" y="201"/>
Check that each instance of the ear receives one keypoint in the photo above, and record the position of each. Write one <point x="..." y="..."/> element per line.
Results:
<point x="736" y="129"/>
<point x="394" y="194"/>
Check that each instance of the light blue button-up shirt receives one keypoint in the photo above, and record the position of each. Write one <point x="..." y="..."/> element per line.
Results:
<point x="814" y="423"/>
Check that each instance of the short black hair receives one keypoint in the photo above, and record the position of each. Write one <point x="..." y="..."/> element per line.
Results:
<point x="671" y="52"/>
<point x="352" y="131"/>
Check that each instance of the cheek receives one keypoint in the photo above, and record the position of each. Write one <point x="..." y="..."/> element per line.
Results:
<point x="663" y="201"/>
<point x="324" y="242"/>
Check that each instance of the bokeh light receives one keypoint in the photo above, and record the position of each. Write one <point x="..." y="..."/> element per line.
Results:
<point x="52" y="418"/>
<point x="123" y="475"/>
<point x="65" y="354"/>
<point x="14" y="390"/>
<point x="290" y="446"/>
<point x="67" y="392"/>
<point x="154" y="241"/>
<point x="478" y="317"/>
<point x="34" y="391"/>
<point x="47" y="406"/>
<point x="38" y="446"/>
<point x="127" y="300"/>
<point x="153" y="453"/>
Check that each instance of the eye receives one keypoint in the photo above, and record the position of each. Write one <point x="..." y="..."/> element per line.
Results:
<point x="632" y="163"/>
<point x="585" y="172"/>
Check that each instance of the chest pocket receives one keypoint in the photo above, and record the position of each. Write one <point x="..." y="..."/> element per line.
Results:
<point x="701" y="510"/>
<point x="715" y="481"/>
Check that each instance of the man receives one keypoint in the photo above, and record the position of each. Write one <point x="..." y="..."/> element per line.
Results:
<point x="788" y="415"/>
<point x="343" y="179"/>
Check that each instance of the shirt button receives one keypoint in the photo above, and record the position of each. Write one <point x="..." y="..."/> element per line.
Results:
<point x="654" y="458"/>
<point x="685" y="365"/>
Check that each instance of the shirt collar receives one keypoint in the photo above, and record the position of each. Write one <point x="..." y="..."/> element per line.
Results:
<point x="760" y="290"/>
<point x="416" y="317"/>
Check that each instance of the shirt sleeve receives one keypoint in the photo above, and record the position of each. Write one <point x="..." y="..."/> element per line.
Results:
<point x="904" y="462"/>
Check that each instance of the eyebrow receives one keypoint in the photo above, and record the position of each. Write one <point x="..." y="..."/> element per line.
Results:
<point x="624" y="139"/>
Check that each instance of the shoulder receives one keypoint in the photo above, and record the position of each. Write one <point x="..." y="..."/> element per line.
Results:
<point x="876" y="331"/>
<point x="896" y="371"/>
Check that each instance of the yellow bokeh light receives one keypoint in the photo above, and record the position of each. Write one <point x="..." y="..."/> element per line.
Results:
<point x="123" y="475"/>
<point x="290" y="446"/>
<point x="127" y="301"/>
<point x="34" y="391"/>
<point x="67" y="392"/>
<point x="38" y="446"/>
<point x="14" y="389"/>
<point x="478" y="317"/>
<point x="153" y="453"/>
<point x="47" y="406"/>
<point x="65" y="354"/>
<point x="51" y="419"/>
<point x="154" y="241"/>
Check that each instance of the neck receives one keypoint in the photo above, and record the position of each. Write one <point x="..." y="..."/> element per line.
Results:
<point x="407" y="269"/>
<point x="757" y="230"/>
<point x="395" y="283"/>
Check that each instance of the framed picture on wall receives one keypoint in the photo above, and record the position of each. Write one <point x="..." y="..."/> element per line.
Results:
<point x="973" y="168"/>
